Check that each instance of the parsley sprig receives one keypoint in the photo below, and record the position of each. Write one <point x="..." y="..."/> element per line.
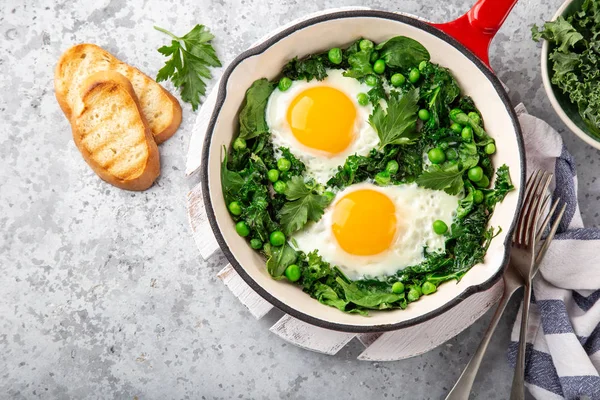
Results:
<point x="191" y="55"/>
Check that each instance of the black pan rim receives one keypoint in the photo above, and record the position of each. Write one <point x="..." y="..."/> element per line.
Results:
<point x="221" y="95"/>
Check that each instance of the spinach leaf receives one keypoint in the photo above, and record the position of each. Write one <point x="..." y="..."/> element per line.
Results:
<point x="396" y="125"/>
<point x="279" y="258"/>
<point x="231" y="181"/>
<point x="303" y="205"/>
<point x="252" y="115"/>
<point x="402" y="52"/>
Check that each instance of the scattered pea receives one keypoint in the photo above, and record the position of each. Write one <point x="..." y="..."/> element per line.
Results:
<point x="392" y="166"/>
<point x="256" y="244"/>
<point x="285" y="83"/>
<point x="478" y="196"/>
<point x="283" y="164"/>
<point x="456" y="128"/>
<point x="414" y="75"/>
<point x="382" y="178"/>
<point x="428" y="288"/>
<point x="422" y="65"/>
<point x="279" y="187"/>
<point x="379" y="66"/>
<point x="398" y="287"/>
<point x="242" y="229"/>
<point x="423" y="114"/>
<point x="362" y="98"/>
<point x="277" y="238"/>
<point x="239" y="144"/>
<point x="467" y="133"/>
<point x="436" y="155"/>
<point x="440" y="227"/>
<point x="235" y="208"/>
<point x="475" y="117"/>
<point x="451" y="154"/>
<point x="273" y="175"/>
<point x="335" y="55"/>
<point x="413" y="294"/>
<point x="490" y="148"/>
<point x="475" y="174"/>
<point x="365" y="45"/>
<point x="292" y="272"/>
<point x="371" y="80"/>
<point x="483" y="182"/>
<point x="397" y="79"/>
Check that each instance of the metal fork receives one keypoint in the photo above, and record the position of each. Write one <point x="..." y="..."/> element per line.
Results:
<point x="512" y="278"/>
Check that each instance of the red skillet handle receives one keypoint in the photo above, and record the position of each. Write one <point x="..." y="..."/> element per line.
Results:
<point x="476" y="29"/>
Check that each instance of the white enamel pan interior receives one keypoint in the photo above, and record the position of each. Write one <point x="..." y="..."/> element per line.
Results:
<point x="337" y="30"/>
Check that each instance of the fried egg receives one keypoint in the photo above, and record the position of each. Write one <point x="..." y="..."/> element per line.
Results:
<point x="371" y="231"/>
<point x="321" y="122"/>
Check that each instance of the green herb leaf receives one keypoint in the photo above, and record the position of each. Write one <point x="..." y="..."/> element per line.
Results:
<point x="191" y="55"/>
<point x="360" y="64"/>
<point x="368" y="299"/>
<point x="252" y="115"/>
<point x="449" y="179"/>
<point x="303" y="205"/>
<point x="396" y="125"/>
<point x="402" y="52"/>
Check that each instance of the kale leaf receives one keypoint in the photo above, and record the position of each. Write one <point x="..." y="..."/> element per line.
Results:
<point x="309" y="68"/>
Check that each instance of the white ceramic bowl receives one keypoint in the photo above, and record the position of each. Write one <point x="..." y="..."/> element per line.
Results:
<point x="566" y="111"/>
<point x="340" y="29"/>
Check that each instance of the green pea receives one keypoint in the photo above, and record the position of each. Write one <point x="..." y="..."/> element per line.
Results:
<point x="414" y="75"/>
<point x="475" y="174"/>
<point x="398" y="79"/>
<point x="379" y="66"/>
<point x="256" y="244"/>
<point x="365" y="45"/>
<point x="382" y="178"/>
<point x="285" y="83"/>
<point x="277" y="238"/>
<point x="451" y="154"/>
<point x="423" y="114"/>
<point x="371" y="80"/>
<point x="374" y="57"/>
<point x="436" y="155"/>
<point x="235" y="208"/>
<point x="292" y="272"/>
<point x="398" y="287"/>
<point x="329" y="195"/>
<point x="478" y="197"/>
<point x="422" y="65"/>
<point x="283" y="164"/>
<point x="490" y="148"/>
<point x="392" y="166"/>
<point x="440" y="227"/>
<point x="483" y="182"/>
<point x="467" y="133"/>
<point x="362" y="98"/>
<point x="279" y="187"/>
<point x="428" y="288"/>
<point x="242" y="229"/>
<point x="273" y="175"/>
<point x="335" y="55"/>
<point x="456" y="128"/>
<point x="239" y="144"/>
<point x="454" y="112"/>
<point x="475" y="117"/>
<point x="413" y="294"/>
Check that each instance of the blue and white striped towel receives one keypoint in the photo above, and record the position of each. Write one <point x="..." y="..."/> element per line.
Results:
<point x="563" y="340"/>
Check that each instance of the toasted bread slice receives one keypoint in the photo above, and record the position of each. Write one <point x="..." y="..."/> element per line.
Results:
<point x="161" y="109"/>
<point x="112" y="134"/>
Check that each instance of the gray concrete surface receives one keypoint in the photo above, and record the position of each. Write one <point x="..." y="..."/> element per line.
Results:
<point x="102" y="291"/>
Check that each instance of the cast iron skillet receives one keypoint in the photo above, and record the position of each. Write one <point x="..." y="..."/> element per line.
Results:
<point x="460" y="45"/>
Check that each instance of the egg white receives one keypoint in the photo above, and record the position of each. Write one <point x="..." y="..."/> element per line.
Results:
<point x="416" y="210"/>
<point x="321" y="165"/>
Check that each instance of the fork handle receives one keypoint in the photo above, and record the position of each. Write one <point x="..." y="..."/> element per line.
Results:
<point x="517" y="391"/>
<point x="462" y="388"/>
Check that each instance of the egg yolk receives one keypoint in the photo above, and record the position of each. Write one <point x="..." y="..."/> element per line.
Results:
<point x="322" y="118"/>
<point x="364" y="222"/>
